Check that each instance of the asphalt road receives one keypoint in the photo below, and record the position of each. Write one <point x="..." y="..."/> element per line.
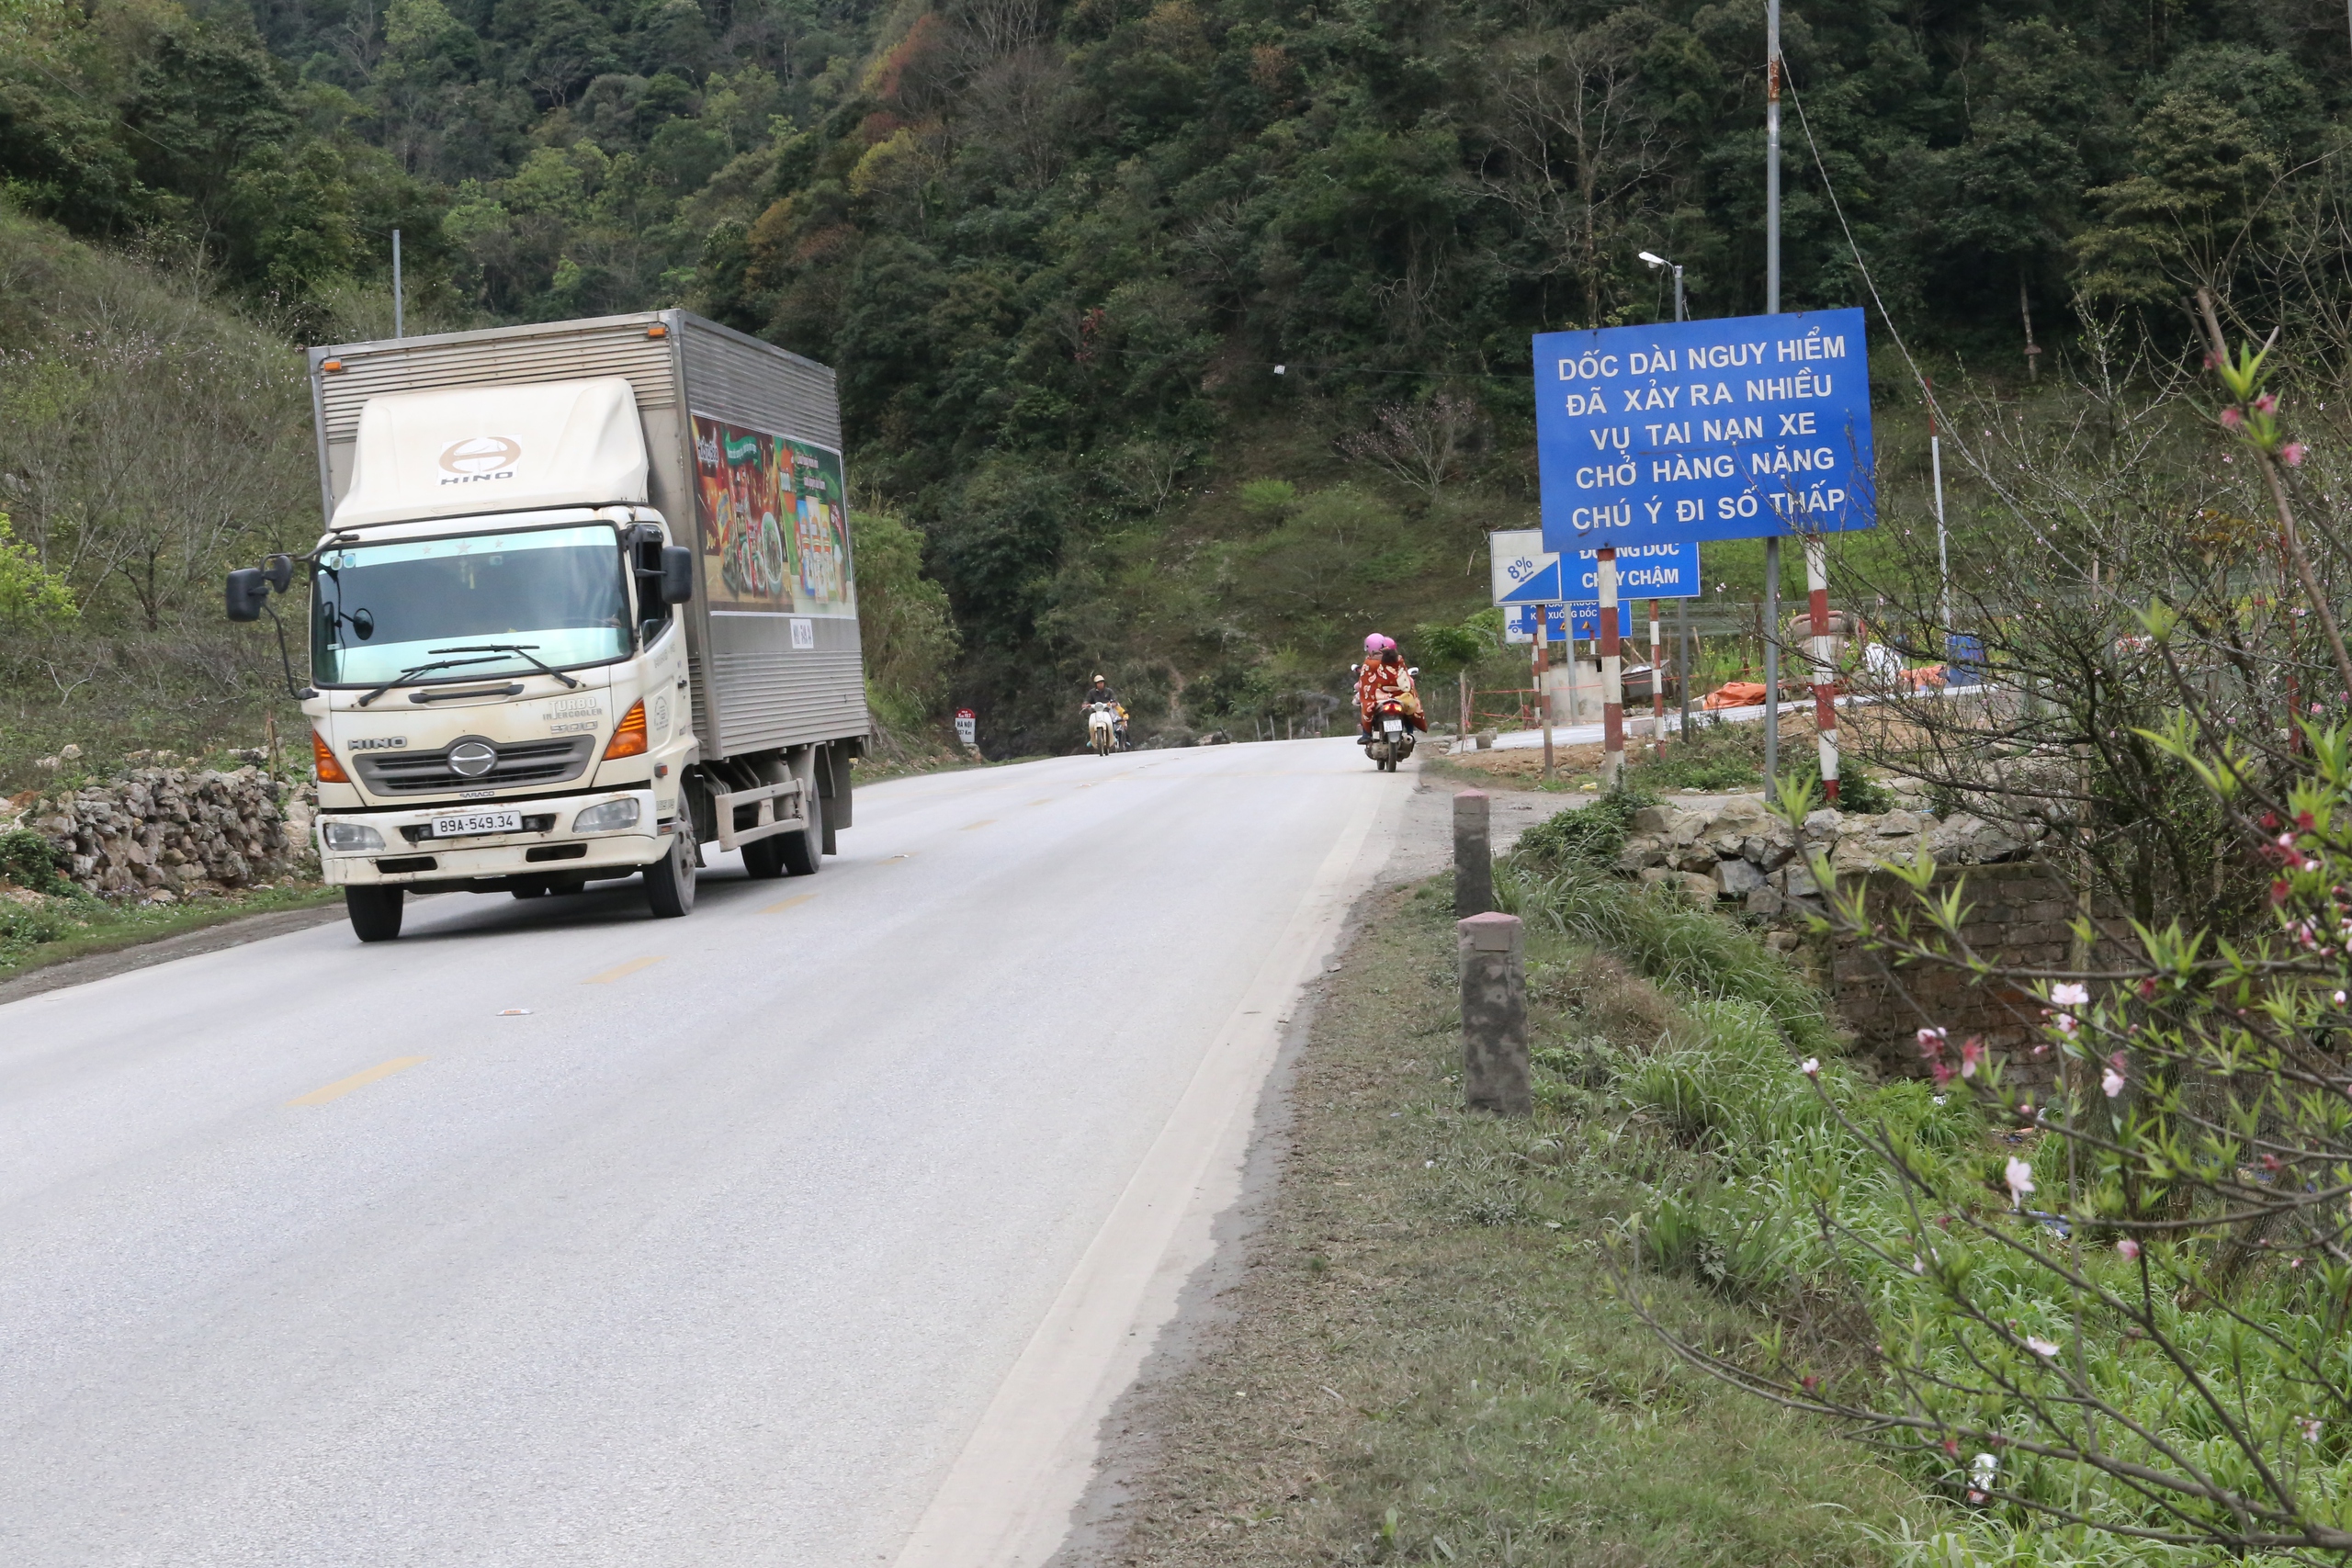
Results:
<point x="816" y="1228"/>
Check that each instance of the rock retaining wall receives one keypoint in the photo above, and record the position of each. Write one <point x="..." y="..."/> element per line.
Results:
<point x="2022" y="910"/>
<point x="163" y="833"/>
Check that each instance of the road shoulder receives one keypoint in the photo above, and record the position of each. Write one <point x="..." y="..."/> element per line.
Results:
<point x="140" y="951"/>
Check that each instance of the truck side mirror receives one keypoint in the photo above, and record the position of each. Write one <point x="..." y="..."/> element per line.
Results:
<point x="677" y="574"/>
<point x="248" y="589"/>
<point x="278" y="570"/>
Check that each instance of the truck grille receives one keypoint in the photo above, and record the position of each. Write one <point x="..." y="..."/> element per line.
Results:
<point x="520" y="763"/>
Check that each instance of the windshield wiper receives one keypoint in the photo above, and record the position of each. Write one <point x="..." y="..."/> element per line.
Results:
<point x="414" y="671"/>
<point x="521" y="648"/>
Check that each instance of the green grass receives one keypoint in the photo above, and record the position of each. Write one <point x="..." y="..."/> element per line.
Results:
<point x="78" y="927"/>
<point x="1427" y="1362"/>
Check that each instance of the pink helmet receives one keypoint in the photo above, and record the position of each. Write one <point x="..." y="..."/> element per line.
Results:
<point x="1376" y="643"/>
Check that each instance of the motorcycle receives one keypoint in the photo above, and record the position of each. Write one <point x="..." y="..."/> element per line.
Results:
<point x="1392" y="735"/>
<point x="1103" y="728"/>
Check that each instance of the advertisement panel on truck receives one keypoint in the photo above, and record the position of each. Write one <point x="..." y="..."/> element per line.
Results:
<point x="773" y="520"/>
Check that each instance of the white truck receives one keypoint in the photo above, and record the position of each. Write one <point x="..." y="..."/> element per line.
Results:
<point x="584" y="605"/>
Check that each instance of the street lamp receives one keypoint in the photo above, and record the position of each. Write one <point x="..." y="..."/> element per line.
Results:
<point x="1661" y="261"/>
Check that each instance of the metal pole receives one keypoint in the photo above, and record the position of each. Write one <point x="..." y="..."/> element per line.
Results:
<point x="1771" y="307"/>
<point x="1613" y="674"/>
<point x="1683" y="660"/>
<point x="1772" y="661"/>
<point x="1943" y="549"/>
<point x="1771" y="157"/>
<point x="398" y="324"/>
<point x="1679" y="312"/>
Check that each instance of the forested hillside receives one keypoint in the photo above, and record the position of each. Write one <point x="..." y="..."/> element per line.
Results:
<point x="1059" y="252"/>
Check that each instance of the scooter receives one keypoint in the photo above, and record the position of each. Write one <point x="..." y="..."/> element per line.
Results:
<point x="1391" y="735"/>
<point x="1103" y="728"/>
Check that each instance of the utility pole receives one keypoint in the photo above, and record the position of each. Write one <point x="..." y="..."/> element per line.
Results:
<point x="1772" y="308"/>
<point x="1943" y="549"/>
<point x="1613" y="678"/>
<point x="398" y="325"/>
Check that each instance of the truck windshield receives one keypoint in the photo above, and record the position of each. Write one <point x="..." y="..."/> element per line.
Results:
<point x="377" y="610"/>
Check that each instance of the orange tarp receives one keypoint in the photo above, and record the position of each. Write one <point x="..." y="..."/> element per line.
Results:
<point x="1736" y="695"/>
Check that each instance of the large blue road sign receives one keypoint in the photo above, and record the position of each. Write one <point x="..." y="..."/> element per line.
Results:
<point x="1729" y="429"/>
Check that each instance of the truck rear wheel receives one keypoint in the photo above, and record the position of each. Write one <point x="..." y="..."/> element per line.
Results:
<point x="764" y="858"/>
<point x="375" y="911"/>
<point x="669" y="881"/>
<point x="804" y="852"/>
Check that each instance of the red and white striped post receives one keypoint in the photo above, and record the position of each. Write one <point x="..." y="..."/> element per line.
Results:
<point x="1825" y="700"/>
<point x="1612" y="677"/>
<point x="1658" y="689"/>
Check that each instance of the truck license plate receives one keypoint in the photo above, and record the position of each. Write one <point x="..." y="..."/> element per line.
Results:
<point x="466" y="822"/>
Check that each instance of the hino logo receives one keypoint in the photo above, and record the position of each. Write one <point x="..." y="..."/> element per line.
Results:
<point x="481" y="457"/>
<point x="380" y="743"/>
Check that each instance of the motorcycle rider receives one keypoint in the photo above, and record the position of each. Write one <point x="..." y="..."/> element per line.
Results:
<point x="1381" y="676"/>
<point x="1100" y="693"/>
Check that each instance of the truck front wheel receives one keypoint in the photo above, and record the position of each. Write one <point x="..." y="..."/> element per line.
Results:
<point x="669" y="881"/>
<point x="375" y="911"/>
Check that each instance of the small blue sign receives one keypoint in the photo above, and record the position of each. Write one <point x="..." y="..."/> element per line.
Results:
<point x="1518" y="624"/>
<point x="1737" y="428"/>
<point x="1643" y="571"/>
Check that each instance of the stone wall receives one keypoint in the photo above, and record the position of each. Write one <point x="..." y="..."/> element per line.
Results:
<point x="2021" y="908"/>
<point x="162" y="833"/>
<point x="2019" y="913"/>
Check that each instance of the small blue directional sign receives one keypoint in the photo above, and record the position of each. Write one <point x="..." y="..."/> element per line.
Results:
<point x="1737" y="428"/>
<point x="1519" y="621"/>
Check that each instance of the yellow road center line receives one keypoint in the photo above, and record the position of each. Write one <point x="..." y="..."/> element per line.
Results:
<point x="342" y="1087"/>
<point x="983" y="822"/>
<point x="621" y="972"/>
<point x="787" y="904"/>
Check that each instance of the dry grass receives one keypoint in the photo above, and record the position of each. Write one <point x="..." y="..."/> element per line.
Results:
<point x="1426" y="1362"/>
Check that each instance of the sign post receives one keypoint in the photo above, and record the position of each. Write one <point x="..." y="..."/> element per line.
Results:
<point x="968" y="728"/>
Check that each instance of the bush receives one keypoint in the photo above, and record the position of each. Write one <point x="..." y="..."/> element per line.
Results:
<point x="31" y="860"/>
<point x="1588" y="835"/>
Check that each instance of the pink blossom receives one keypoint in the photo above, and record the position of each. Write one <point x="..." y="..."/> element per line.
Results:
<point x="1810" y="1066"/>
<point x="1931" y="1044"/>
<point x="2128" y="1249"/>
<point x="2019" y="1175"/>
<point x="2070" y="995"/>
<point x="2232" y="418"/>
<point x="2111" y="1083"/>
<point x="2310" y="1424"/>
<point x="2266" y="403"/>
<point x="2291" y="454"/>
<point x="2041" y="1347"/>
<point x="1972" y="1057"/>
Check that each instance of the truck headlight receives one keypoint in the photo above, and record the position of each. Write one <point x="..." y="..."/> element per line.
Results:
<point x="606" y="819"/>
<point x="352" y="836"/>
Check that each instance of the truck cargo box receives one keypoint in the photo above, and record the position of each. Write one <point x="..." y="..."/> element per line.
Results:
<point x="744" y="449"/>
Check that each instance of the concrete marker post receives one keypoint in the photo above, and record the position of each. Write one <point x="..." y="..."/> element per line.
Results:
<point x="1474" y="863"/>
<point x="1612" y="676"/>
<point x="1492" y="949"/>
<point x="1825" y="697"/>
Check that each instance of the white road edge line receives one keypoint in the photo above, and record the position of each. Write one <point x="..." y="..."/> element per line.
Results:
<point x="1006" y="1500"/>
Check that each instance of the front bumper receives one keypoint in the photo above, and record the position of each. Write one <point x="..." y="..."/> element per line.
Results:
<point x="550" y="851"/>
